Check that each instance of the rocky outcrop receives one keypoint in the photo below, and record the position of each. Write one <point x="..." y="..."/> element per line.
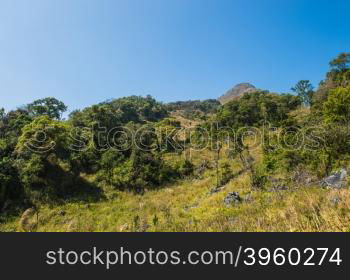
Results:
<point x="336" y="180"/>
<point x="232" y="198"/>
<point x="236" y="92"/>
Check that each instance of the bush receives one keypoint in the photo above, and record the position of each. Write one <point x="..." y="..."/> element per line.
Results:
<point x="43" y="159"/>
<point x="10" y="187"/>
<point x="337" y="106"/>
<point x="258" y="178"/>
<point x="184" y="168"/>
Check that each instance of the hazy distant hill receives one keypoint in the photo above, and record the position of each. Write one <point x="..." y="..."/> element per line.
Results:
<point x="236" y="92"/>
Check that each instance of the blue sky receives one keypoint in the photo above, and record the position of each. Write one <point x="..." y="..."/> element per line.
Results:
<point x="86" y="51"/>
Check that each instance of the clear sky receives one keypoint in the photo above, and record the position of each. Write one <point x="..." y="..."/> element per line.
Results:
<point x="86" y="51"/>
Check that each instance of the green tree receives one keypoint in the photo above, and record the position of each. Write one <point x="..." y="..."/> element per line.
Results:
<point x="305" y="91"/>
<point x="2" y="113"/>
<point x="10" y="187"/>
<point x="168" y="139"/>
<point x="337" y="106"/>
<point x="256" y="107"/>
<point x="340" y="63"/>
<point x="109" y="160"/>
<point x="42" y="159"/>
<point x="49" y="106"/>
<point x="11" y="123"/>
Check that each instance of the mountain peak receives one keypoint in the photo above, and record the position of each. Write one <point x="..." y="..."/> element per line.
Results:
<point x="237" y="91"/>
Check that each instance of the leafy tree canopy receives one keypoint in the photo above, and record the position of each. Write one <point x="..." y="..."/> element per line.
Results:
<point x="49" y="106"/>
<point x="337" y="106"/>
<point x="341" y="62"/>
<point x="304" y="90"/>
<point x="254" y="108"/>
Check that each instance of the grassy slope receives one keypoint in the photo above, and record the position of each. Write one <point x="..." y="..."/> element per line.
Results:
<point x="188" y="206"/>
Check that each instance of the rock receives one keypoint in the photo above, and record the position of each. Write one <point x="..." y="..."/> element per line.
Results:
<point x="236" y="92"/>
<point x="336" y="200"/>
<point x="232" y="197"/>
<point x="303" y="177"/>
<point x="335" y="180"/>
<point x="29" y="220"/>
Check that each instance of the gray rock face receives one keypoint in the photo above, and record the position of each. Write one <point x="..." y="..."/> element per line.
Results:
<point x="236" y="92"/>
<point x="232" y="198"/>
<point x="336" y="180"/>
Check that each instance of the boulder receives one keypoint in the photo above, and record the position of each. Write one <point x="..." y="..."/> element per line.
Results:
<point x="336" y="180"/>
<point x="232" y="198"/>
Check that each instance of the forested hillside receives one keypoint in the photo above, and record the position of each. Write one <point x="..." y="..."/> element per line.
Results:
<point x="260" y="162"/>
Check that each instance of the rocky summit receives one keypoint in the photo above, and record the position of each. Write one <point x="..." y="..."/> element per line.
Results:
<point x="236" y="92"/>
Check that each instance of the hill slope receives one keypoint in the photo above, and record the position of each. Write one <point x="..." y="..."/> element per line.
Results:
<point x="236" y="92"/>
<point x="191" y="205"/>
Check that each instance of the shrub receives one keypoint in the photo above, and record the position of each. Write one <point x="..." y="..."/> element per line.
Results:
<point x="184" y="168"/>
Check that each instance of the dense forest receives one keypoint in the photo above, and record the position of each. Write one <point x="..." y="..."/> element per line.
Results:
<point x="134" y="145"/>
<point x="193" y="109"/>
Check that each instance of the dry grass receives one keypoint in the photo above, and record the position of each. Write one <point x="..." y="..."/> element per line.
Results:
<point x="188" y="206"/>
